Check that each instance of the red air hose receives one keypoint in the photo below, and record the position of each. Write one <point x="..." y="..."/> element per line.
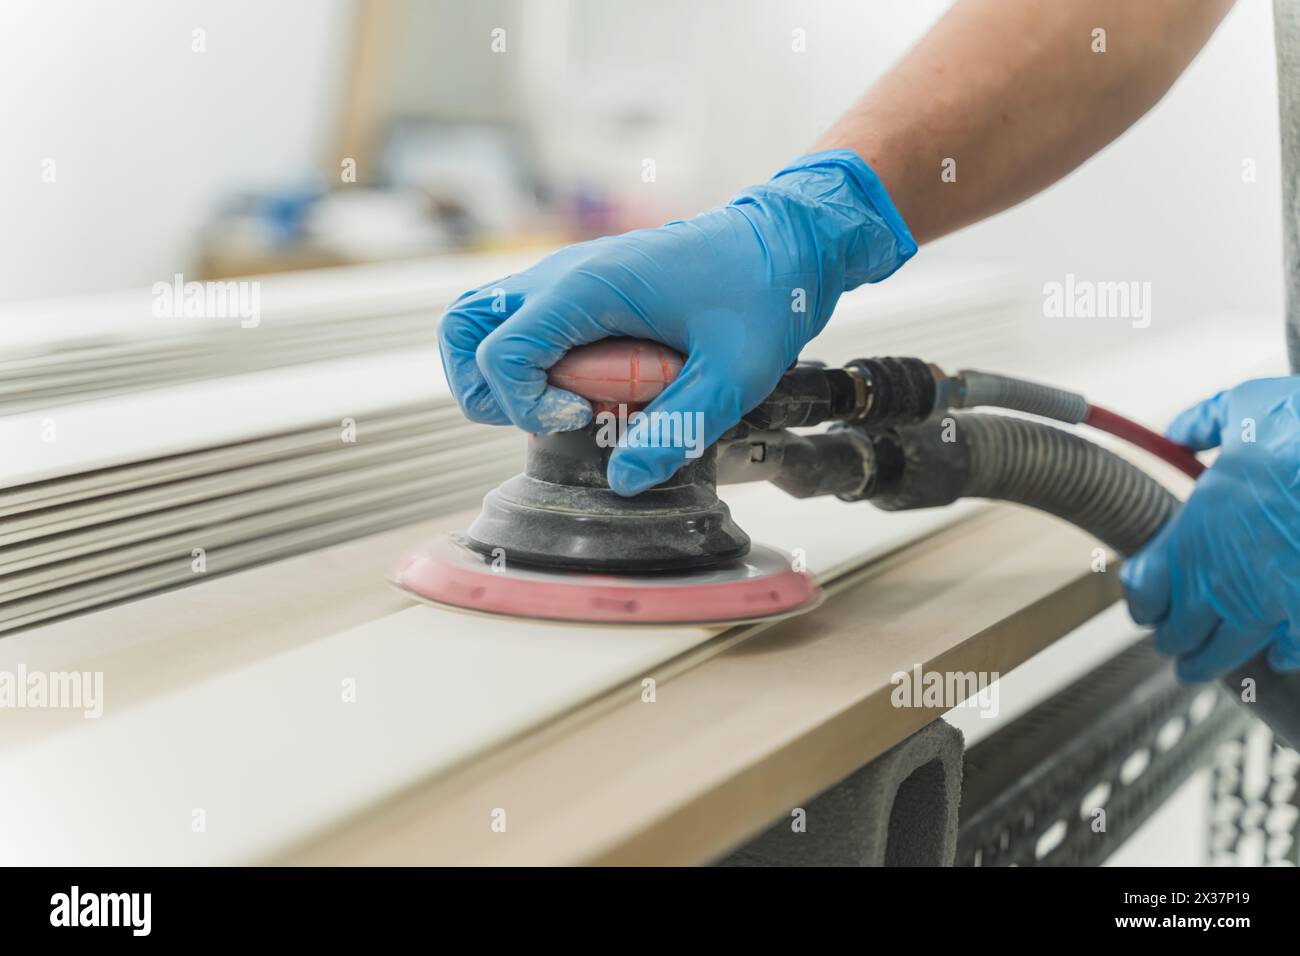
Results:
<point x="1103" y="419"/>
<point x="975" y="388"/>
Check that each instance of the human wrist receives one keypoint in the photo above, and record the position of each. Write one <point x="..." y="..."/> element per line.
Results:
<point x="856" y="218"/>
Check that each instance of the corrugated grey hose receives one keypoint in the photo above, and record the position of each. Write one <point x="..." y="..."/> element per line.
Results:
<point x="977" y="455"/>
<point x="1034" y="464"/>
<point x="1051" y="470"/>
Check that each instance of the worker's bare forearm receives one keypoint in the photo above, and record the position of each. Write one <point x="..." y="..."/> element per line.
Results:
<point x="1008" y="96"/>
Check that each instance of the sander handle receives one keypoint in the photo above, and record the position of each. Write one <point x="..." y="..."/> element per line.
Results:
<point x="617" y="371"/>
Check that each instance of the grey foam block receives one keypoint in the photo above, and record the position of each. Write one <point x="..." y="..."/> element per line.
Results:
<point x="898" y="810"/>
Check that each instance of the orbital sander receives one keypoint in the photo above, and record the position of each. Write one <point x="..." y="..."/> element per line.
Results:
<point x="556" y="543"/>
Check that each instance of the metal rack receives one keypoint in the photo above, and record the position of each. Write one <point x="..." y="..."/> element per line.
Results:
<point x="1120" y="741"/>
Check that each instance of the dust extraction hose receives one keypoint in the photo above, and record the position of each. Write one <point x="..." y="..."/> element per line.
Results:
<point x="974" y="455"/>
<point x="1034" y="464"/>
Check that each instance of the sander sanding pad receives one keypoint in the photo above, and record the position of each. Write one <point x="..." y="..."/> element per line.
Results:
<point x="760" y="586"/>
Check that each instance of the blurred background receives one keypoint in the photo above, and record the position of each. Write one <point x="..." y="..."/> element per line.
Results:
<point x="228" y="137"/>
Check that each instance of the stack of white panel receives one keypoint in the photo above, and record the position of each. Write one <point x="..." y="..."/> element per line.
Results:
<point x="67" y="350"/>
<point x="87" y="539"/>
<point x="139" y="452"/>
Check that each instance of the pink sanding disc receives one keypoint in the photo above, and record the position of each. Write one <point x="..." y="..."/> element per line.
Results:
<point x="760" y="586"/>
<point x="630" y="371"/>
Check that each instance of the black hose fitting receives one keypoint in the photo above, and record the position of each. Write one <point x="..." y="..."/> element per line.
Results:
<point x="891" y="392"/>
<point x="808" y="395"/>
<point x="915" y="467"/>
<point x="877" y="392"/>
<point x="838" y="462"/>
<point x="900" y="391"/>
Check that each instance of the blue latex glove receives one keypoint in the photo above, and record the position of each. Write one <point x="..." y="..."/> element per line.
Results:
<point x="739" y="290"/>
<point x="1221" y="581"/>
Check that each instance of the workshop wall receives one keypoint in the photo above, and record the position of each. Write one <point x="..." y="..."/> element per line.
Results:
<point x="719" y="99"/>
<point x="146" y="134"/>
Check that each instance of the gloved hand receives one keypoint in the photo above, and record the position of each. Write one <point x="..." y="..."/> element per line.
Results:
<point x="1221" y="581"/>
<point x="739" y="290"/>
